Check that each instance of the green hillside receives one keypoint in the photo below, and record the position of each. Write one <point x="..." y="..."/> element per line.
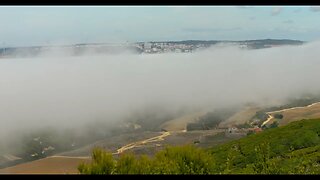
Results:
<point x="287" y="149"/>
<point x="291" y="149"/>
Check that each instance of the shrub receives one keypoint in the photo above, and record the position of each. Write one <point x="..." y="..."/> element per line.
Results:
<point x="103" y="163"/>
<point x="171" y="160"/>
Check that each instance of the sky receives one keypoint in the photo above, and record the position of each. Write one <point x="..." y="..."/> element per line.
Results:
<point x="62" y="25"/>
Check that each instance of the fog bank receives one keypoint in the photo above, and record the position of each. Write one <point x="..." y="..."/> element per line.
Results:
<point x="69" y="91"/>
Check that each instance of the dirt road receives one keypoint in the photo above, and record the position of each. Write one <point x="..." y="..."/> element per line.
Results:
<point x="175" y="125"/>
<point x="143" y="142"/>
<point x="270" y="117"/>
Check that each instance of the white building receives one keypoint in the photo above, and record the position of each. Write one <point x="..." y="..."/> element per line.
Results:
<point x="147" y="45"/>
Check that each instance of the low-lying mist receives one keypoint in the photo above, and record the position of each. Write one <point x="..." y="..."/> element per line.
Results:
<point x="65" y="91"/>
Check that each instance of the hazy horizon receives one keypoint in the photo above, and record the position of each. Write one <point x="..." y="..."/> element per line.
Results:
<point x="60" y="25"/>
<point x="62" y="45"/>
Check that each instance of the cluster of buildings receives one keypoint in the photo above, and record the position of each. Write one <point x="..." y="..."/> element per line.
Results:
<point x="234" y="131"/>
<point x="165" y="47"/>
<point x="187" y="46"/>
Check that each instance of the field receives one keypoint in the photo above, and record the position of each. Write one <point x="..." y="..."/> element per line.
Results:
<point x="240" y="117"/>
<point x="49" y="165"/>
<point x="180" y="123"/>
<point x="295" y="114"/>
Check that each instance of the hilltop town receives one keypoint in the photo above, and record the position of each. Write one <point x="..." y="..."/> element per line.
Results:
<point x="187" y="46"/>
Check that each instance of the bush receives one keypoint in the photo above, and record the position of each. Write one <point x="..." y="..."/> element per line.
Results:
<point x="171" y="160"/>
<point x="274" y="124"/>
<point x="278" y="116"/>
<point x="103" y="163"/>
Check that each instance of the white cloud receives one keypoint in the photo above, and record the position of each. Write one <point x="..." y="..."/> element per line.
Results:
<point x="276" y="11"/>
<point x="243" y="7"/>
<point x="297" y="11"/>
<point x="70" y="91"/>
<point x="315" y="9"/>
<point x="288" y="21"/>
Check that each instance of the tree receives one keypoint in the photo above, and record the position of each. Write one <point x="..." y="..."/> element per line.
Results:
<point x="274" y="124"/>
<point x="278" y="116"/>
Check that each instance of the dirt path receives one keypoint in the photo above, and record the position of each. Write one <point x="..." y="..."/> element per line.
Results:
<point x="72" y="157"/>
<point x="175" y="125"/>
<point x="270" y="117"/>
<point x="143" y="142"/>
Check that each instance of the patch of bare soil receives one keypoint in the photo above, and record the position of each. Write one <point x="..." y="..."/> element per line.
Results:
<point x="111" y="144"/>
<point x="49" y="165"/>
<point x="240" y="117"/>
<point x="180" y="123"/>
<point x="297" y="113"/>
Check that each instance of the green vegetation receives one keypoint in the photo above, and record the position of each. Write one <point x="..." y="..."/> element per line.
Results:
<point x="259" y="118"/>
<point x="261" y="115"/>
<point x="245" y="125"/>
<point x="274" y="124"/>
<point x="265" y="152"/>
<point x="291" y="149"/>
<point x="278" y="116"/>
<point x="172" y="160"/>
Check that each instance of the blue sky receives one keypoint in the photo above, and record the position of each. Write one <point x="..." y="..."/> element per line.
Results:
<point x="43" y="25"/>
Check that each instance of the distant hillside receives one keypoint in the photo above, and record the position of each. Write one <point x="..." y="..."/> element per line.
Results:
<point x="256" y="44"/>
<point x="260" y="43"/>
<point x="138" y="47"/>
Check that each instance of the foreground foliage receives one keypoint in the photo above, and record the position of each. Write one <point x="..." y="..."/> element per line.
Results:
<point x="171" y="160"/>
<point x="291" y="149"/>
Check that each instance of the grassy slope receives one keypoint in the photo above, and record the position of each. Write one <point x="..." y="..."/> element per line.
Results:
<point x="278" y="148"/>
